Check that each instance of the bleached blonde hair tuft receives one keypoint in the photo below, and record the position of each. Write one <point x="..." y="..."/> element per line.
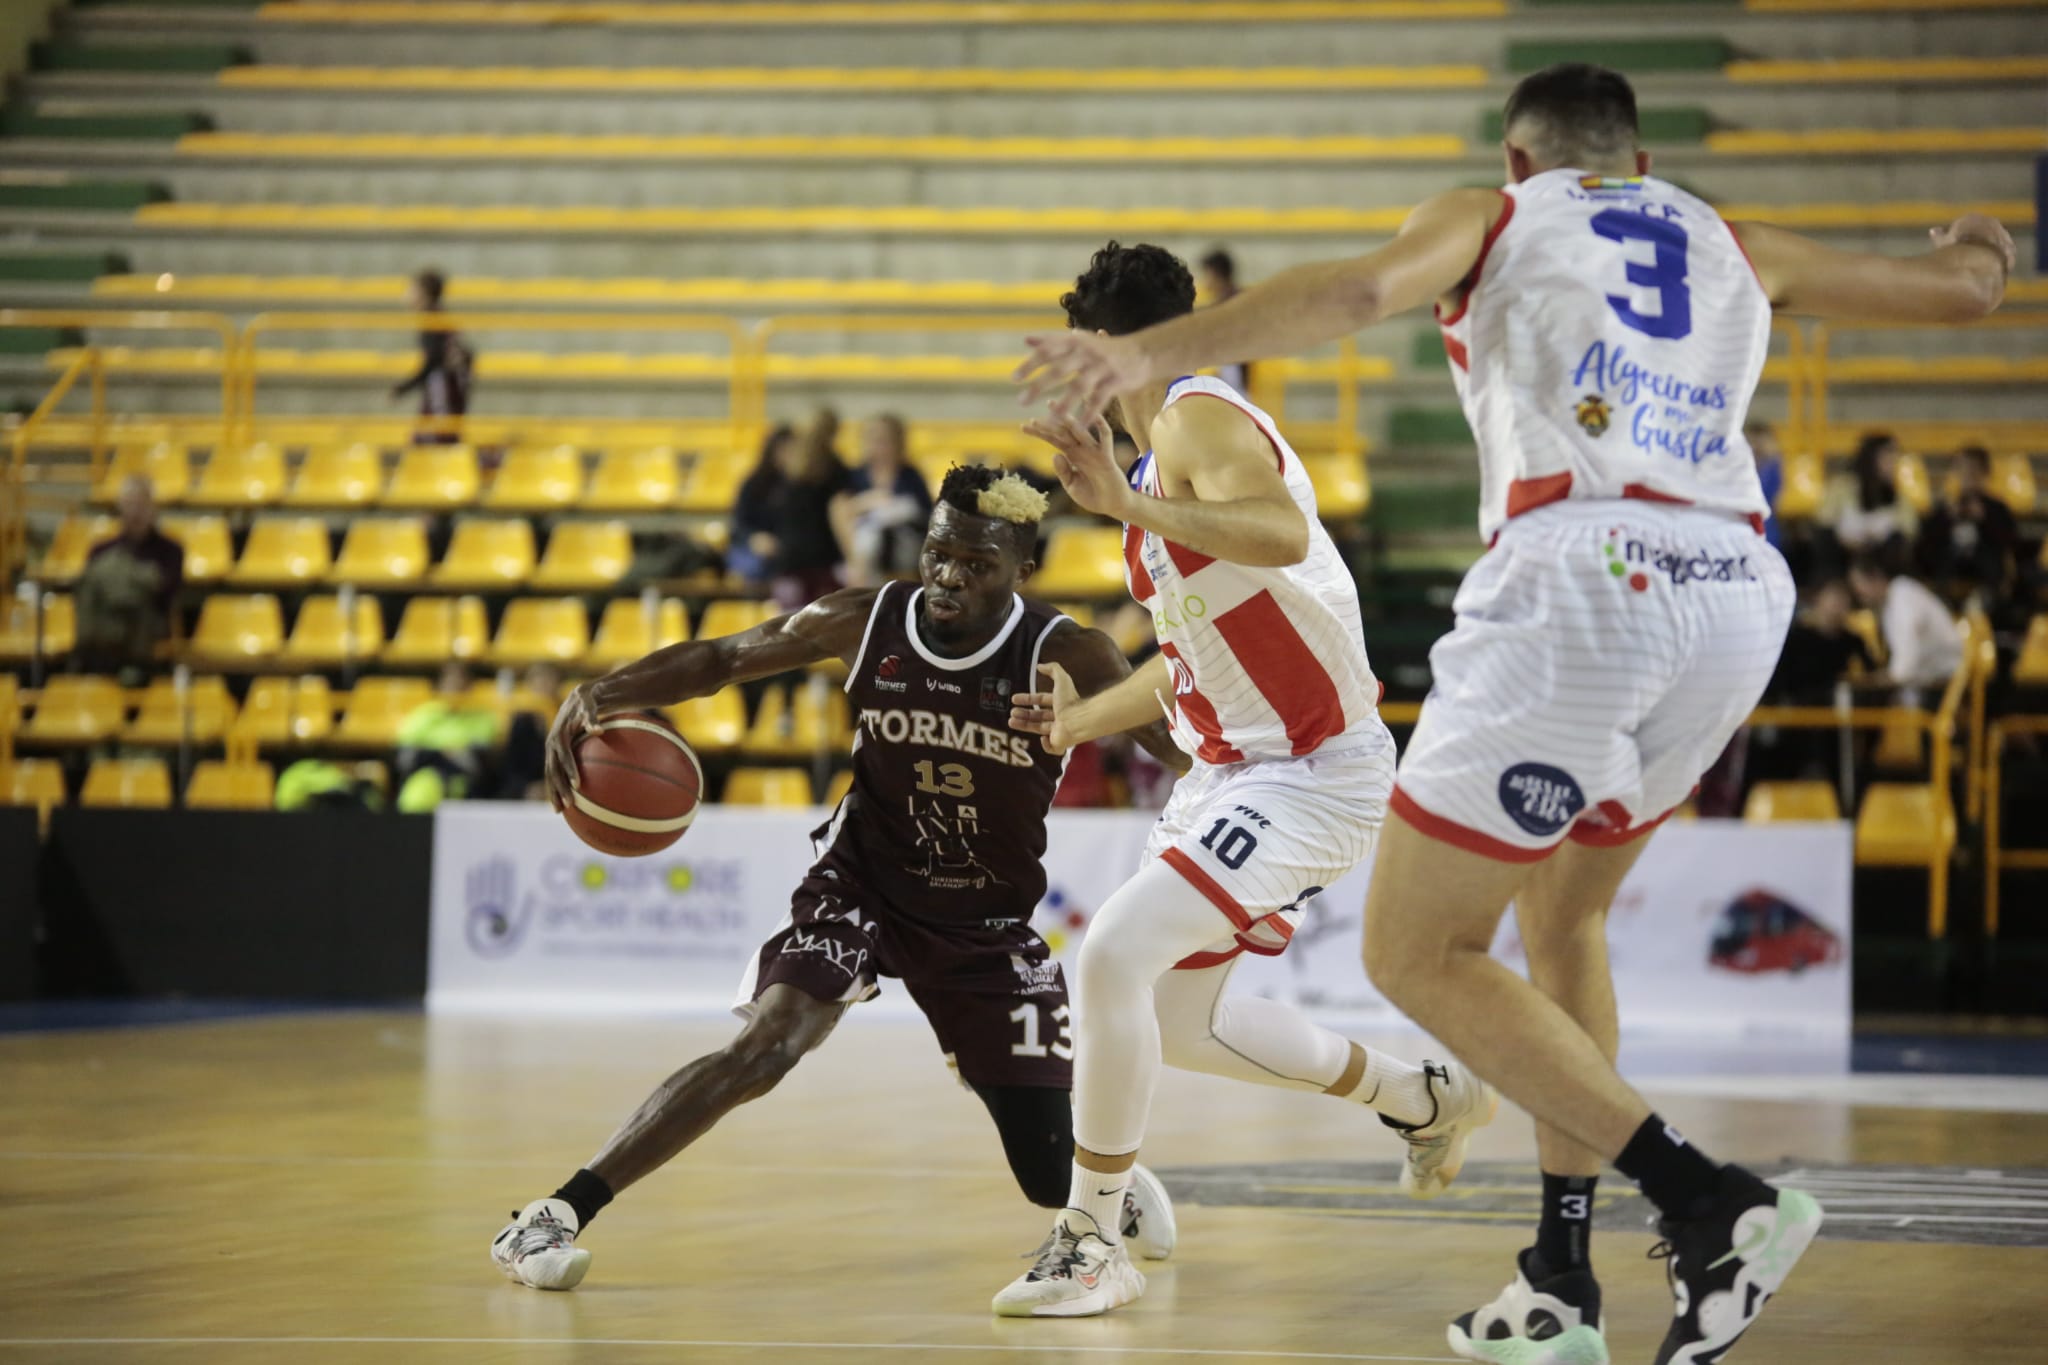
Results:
<point x="1011" y="499"/>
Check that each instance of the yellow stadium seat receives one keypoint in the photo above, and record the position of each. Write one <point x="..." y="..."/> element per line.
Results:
<point x="284" y="550"/>
<point x="731" y="615"/>
<point x="485" y="695"/>
<point x="230" y="786"/>
<point x="77" y="710"/>
<point x="628" y="630"/>
<point x="378" y="706"/>
<point x="10" y="706"/>
<point x="18" y="640"/>
<point x="1343" y="489"/>
<point x="382" y="552"/>
<point x="434" y="479"/>
<point x="203" y="714"/>
<point x="127" y="782"/>
<point x="1777" y="802"/>
<point x="555" y="629"/>
<point x="486" y="554"/>
<point x="1805" y="483"/>
<point x="238" y="627"/>
<point x="338" y="476"/>
<point x="1913" y="483"/>
<point x="253" y="476"/>
<point x="434" y="630"/>
<point x="1863" y="622"/>
<point x="634" y="481"/>
<point x="2031" y="668"/>
<point x="839" y="786"/>
<point x="1904" y="825"/>
<point x="768" y="787"/>
<point x="74" y="540"/>
<point x="1082" y="561"/>
<point x="713" y="724"/>
<point x="266" y="714"/>
<point x="811" y="720"/>
<point x="35" y="782"/>
<point x="167" y="466"/>
<point x="713" y="485"/>
<point x="1899" y="748"/>
<point x="583" y="556"/>
<point x="208" y="552"/>
<point x="322" y="637"/>
<point x="537" y="481"/>
<point x="312" y="710"/>
<point x="2012" y="480"/>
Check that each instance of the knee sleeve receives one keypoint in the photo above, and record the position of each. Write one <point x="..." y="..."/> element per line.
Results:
<point x="1037" y="1128"/>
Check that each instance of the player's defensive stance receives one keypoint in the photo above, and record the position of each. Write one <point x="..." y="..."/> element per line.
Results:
<point x="1262" y="670"/>
<point x="1606" y="331"/>
<point x="928" y="871"/>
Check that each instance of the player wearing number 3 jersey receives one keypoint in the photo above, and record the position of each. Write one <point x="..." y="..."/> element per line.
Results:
<point x="1606" y="331"/>
<point x="1262" y="674"/>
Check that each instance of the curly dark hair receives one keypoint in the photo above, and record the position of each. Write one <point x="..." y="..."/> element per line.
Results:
<point x="1129" y="288"/>
<point x="962" y="488"/>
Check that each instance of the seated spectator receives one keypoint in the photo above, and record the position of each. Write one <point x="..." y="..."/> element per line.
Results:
<point x="880" y="518"/>
<point x="1863" y="508"/>
<point x="1216" y="282"/>
<point x="785" y="512"/>
<point x="1820" y="650"/>
<point x="1770" y="472"/>
<point x="442" y="378"/>
<point x="1969" y="547"/>
<point x="754" y="546"/>
<point x="526" y="738"/>
<point x="128" y="589"/>
<point x="444" y="746"/>
<point x="1923" y="640"/>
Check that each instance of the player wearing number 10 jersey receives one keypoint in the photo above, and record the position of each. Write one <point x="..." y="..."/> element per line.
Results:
<point x="1606" y="331"/>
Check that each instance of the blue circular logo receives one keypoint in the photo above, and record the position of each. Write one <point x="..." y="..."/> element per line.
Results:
<point x="1540" y="798"/>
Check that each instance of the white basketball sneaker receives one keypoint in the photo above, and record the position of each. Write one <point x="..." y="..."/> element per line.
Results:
<point x="1540" y="1319"/>
<point x="1148" y="1224"/>
<point x="538" y="1247"/>
<point x="1436" y="1149"/>
<point x="1077" y="1275"/>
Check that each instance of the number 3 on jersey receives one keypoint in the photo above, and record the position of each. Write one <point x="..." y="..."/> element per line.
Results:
<point x="1665" y="272"/>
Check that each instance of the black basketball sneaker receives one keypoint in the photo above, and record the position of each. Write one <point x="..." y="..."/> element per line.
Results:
<point x="1540" y="1319"/>
<point x="1725" y="1266"/>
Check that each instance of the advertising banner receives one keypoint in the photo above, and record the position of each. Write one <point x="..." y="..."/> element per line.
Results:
<point x="1724" y="932"/>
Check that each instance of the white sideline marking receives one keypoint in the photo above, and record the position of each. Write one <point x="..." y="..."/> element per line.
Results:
<point x="1041" y="1348"/>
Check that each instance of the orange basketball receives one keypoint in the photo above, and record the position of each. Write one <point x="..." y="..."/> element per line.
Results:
<point x="640" y="786"/>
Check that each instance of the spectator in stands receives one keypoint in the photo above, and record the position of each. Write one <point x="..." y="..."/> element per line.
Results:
<point x="1863" y="508"/>
<point x="754" y="544"/>
<point x="1920" y="636"/>
<point x="443" y="376"/>
<point x="1821" y="650"/>
<point x="1969" y="547"/>
<point x="526" y="738"/>
<point x="787" y="514"/>
<point x="444" y="746"/>
<point x="128" y="590"/>
<point x="880" y="518"/>
<point x="1770" y="472"/>
<point x="1216" y="282"/>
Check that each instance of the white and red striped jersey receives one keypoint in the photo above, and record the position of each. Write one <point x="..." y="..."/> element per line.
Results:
<point x="1608" y="345"/>
<point x="1266" y="662"/>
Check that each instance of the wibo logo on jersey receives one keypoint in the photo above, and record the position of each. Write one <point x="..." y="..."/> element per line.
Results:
<point x="1627" y="557"/>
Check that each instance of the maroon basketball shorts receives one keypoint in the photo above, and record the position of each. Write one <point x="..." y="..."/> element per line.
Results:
<point x="993" y="994"/>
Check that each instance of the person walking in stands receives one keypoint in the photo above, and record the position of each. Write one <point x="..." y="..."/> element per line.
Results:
<point x="444" y="372"/>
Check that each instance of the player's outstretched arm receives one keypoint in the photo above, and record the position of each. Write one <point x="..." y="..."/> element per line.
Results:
<point x="828" y="627"/>
<point x="1096" y="665"/>
<point x="1067" y="719"/>
<point x="1960" y="280"/>
<point x="1293" y="311"/>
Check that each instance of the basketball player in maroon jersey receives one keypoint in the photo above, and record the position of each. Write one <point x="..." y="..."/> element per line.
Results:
<point x="928" y="871"/>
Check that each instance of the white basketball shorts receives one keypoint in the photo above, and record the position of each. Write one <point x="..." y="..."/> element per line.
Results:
<point x="1604" y="655"/>
<point x="1260" y="839"/>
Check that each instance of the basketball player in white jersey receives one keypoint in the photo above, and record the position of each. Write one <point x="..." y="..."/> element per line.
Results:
<point x="1606" y="332"/>
<point x="1262" y="673"/>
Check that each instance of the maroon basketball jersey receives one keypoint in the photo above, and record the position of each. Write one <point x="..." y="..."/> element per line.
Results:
<point x="946" y="818"/>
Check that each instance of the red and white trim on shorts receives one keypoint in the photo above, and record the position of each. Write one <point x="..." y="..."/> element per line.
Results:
<point x="1613" y="830"/>
<point x="1240" y="919"/>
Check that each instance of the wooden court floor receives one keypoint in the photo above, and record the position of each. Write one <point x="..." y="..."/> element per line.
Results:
<point x="322" y="1188"/>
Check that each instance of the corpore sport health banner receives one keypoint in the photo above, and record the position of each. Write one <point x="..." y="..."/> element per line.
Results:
<point x="1724" y="932"/>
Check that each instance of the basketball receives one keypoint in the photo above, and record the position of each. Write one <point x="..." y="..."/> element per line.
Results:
<point x="640" y="787"/>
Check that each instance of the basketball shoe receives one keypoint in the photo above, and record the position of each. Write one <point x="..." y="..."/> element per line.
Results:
<point x="538" y="1247"/>
<point x="1725" y="1266"/>
<point x="1540" y="1319"/>
<point x="1436" y="1149"/>
<point x="1148" y="1223"/>
<point x="1076" y="1275"/>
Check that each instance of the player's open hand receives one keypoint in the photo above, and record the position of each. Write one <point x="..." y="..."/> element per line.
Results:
<point x="1079" y="373"/>
<point x="1048" y="714"/>
<point x="1083" y="459"/>
<point x="576" y="719"/>
<point x="1982" y="229"/>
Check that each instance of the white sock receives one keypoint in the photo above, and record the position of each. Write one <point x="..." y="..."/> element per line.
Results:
<point x="1394" y="1088"/>
<point x="1101" y="1197"/>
